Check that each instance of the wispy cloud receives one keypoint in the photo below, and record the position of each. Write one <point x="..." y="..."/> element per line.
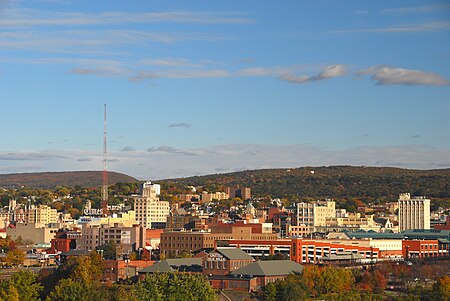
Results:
<point x="331" y="71"/>
<point x="175" y="73"/>
<point x="402" y="28"/>
<point x="180" y="125"/>
<point x="264" y="71"/>
<point x="92" y="42"/>
<point x="128" y="149"/>
<point x="34" y="17"/>
<point x="164" y="149"/>
<point x="167" y="161"/>
<point x="84" y="159"/>
<point x="387" y="75"/>
<point x="29" y="156"/>
<point x="416" y="9"/>
<point x="169" y="62"/>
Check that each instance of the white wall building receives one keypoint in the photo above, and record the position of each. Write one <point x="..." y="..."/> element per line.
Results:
<point x="413" y="213"/>
<point x="150" y="211"/>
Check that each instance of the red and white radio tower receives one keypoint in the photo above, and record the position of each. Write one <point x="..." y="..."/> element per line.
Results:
<point x="105" y="172"/>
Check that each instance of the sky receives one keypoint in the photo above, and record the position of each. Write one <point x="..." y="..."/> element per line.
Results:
<point x="203" y="87"/>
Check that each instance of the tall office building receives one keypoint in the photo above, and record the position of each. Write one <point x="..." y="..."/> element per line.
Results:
<point x="413" y="213"/>
<point x="313" y="214"/>
<point x="150" y="211"/>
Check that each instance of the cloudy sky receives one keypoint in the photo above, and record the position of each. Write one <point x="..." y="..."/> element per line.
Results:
<point x="199" y="87"/>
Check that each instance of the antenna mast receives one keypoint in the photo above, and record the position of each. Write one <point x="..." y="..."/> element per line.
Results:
<point x="105" y="171"/>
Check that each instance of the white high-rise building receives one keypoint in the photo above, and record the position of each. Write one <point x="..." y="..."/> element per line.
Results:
<point x="150" y="211"/>
<point x="413" y="213"/>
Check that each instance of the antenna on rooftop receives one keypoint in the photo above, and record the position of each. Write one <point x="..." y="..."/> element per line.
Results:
<point x="105" y="171"/>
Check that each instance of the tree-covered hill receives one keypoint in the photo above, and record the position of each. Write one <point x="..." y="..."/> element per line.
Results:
<point x="54" y="179"/>
<point x="331" y="182"/>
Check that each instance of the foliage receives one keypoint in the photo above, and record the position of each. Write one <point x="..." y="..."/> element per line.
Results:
<point x="442" y="288"/>
<point x="14" y="257"/>
<point x="109" y="250"/>
<point x="175" y="287"/>
<point x="347" y="183"/>
<point x="85" y="271"/>
<point x="22" y="286"/>
<point x="67" y="179"/>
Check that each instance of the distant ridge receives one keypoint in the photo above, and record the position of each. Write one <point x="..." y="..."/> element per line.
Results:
<point x="67" y="178"/>
<point x="331" y="182"/>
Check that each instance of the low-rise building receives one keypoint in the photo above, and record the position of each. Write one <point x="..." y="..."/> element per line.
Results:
<point x="33" y="233"/>
<point x="190" y="241"/>
<point x="223" y="261"/>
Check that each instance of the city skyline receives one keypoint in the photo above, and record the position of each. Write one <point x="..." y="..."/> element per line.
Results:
<point x="200" y="87"/>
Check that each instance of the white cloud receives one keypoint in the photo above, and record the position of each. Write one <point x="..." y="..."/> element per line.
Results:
<point x="387" y="75"/>
<point x="403" y="28"/>
<point x="167" y="161"/>
<point x="329" y="72"/>
<point x="20" y="17"/>
<point x="416" y="9"/>
<point x="168" y="62"/>
<point x="174" y="73"/>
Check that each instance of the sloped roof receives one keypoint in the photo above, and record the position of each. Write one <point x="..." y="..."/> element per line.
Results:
<point x="269" y="268"/>
<point x="172" y="265"/>
<point x="233" y="253"/>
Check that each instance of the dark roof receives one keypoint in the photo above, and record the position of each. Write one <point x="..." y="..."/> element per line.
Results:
<point x="269" y="268"/>
<point x="343" y="256"/>
<point x="76" y="253"/>
<point x="233" y="253"/>
<point x="172" y="265"/>
<point x="364" y="234"/>
<point x="426" y="234"/>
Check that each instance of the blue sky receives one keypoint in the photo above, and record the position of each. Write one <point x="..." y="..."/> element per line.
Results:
<point x="199" y="87"/>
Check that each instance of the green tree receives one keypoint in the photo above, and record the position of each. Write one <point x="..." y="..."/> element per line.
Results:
<point x="109" y="250"/>
<point x="269" y="292"/>
<point x="14" y="257"/>
<point x="72" y="290"/>
<point x="175" y="287"/>
<point x="22" y="286"/>
<point x="442" y="288"/>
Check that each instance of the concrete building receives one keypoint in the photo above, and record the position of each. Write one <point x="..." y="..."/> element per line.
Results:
<point x="34" y="233"/>
<point x="150" y="211"/>
<point x="128" y="239"/>
<point x="207" y="197"/>
<point x="41" y="214"/>
<point x="243" y="193"/>
<point x="352" y="222"/>
<point x="313" y="214"/>
<point x="188" y="241"/>
<point x="313" y="251"/>
<point x="413" y="213"/>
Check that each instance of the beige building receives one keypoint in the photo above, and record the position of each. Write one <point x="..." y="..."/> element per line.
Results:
<point x="210" y="196"/>
<point x="127" y="239"/>
<point x="177" y="241"/>
<point x="353" y="221"/>
<point x="150" y="211"/>
<point x="34" y="233"/>
<point x="41" y="214"/>
<point x="413" y="213"/>
<point x="313" y="214"/>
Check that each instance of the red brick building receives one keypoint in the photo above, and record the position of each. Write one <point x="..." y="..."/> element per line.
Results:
<point x="223" y="261"/>
<point x="114" y="270"/>
<point x="422" y="249"/>
<point x="254" y="276"/>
